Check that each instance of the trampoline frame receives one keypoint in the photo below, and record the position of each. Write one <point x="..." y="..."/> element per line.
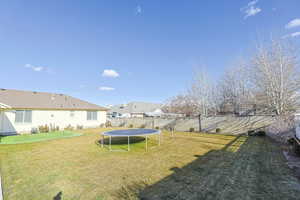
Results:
<point x="157" y="132"/>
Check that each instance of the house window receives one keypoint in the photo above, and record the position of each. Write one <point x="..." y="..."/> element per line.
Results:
<point x="91" y="115"/>
<point x="23" y="116"/>
<point x="72" y="113"/>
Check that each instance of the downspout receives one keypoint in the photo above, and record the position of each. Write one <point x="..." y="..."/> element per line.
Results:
<point x="1" y="192"/>
<point x="3" y="108"/>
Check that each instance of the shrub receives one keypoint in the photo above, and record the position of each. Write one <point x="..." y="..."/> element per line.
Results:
<point x="69" y="128"/>
<point x="291" y="141"/>
<point x="107" y="124"/>
<point x="44" y="129"/>
<point x="143" y="126"/>
<point x="257" y="133"/>
<point x="79" y="127"/>
<point x="34" y="130"/>
<point x="192" y="129"/>
<point x="157" y="127"/>
<point x="218" y="130"/>
<point x="122" y="124"/>
<point x="130" y="126"/>
<point x="52" y="127"/>
<point x="251" y="132"/>
<point x="260" y="133"/>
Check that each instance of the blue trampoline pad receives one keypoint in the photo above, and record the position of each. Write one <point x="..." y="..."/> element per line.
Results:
<point x="132" y="132"/>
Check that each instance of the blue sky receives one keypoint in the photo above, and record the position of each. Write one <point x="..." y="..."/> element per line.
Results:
<point x="110" y="52"/>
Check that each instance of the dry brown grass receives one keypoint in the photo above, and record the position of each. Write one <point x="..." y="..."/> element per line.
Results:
<point x="187" y="166"/>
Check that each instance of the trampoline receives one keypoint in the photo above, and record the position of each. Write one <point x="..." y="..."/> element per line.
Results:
<point x="130" y="133"/>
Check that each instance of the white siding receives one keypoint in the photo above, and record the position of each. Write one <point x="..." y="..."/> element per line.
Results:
<point x="54" y="118"/>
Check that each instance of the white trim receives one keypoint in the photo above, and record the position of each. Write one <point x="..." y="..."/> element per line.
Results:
<point x="2" y="105"/>
<point x="1" y="193"/>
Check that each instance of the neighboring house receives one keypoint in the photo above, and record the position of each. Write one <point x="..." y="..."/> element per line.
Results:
<point x="25" y="111"/>
<point x="156" y="113"/>
<point x="135" y="109"/>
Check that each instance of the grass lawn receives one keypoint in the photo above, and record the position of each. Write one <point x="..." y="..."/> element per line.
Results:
<point x="187" y="166"/>
<point x="29" y="138"/>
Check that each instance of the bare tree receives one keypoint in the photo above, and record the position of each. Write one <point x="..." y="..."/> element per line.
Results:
<point x="201" y="91"/>
<point x="275" y="74"/>
<point x="182" y="104"/>
<point x="269" y="82"/>
<point x="235" y="88"/>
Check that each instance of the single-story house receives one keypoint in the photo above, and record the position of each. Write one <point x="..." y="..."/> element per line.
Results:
<point x="25" y="111"/>
<point x="134" y="110"/>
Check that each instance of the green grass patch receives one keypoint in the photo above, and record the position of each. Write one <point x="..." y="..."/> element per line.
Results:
<point x="29" y="138"/>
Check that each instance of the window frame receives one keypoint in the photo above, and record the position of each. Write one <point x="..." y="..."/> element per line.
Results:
<point x="26" y="117"/>
<point x="92" y="115"/>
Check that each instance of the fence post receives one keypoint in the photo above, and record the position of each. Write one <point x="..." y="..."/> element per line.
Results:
<point x="200" y="128"/>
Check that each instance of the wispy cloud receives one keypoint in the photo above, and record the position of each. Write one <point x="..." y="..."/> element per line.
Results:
<point x="251" y="9"/>
<point x="110" y="73"/>
<point x="35" y="68"/>
<point x="104" y="88"/>
<point x="292" y="24"/>
<point x="296" y="34"/>
<point x="138" y="10"/>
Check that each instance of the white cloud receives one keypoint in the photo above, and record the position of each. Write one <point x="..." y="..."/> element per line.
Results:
<point x="34" y="68"/>
<point x="138" y="10"/>
<point x="252" y="3"/>
<point x="292" y="24"/>
<point x="104" y="88"/>
<point x="110" y="73"/>
<point x="296" y="34"/>
<point x="251" y="9"/>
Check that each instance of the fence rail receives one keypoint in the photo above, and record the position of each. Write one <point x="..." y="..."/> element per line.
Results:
<point x="227" y="124"/>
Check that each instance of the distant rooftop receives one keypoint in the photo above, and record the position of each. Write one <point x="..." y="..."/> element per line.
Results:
<point x="135" y="107"/>
<point x="19" y="99"/>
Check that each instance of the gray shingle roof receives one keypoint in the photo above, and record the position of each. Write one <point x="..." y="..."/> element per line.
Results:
<point x="135" y="107"/>
<point x="42" y="100"/>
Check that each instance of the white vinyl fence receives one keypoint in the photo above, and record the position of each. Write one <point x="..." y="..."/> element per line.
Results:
<point x="227" y="124"/>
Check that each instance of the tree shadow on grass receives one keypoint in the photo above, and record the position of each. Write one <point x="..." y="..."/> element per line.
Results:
<point x="245" y="168"/>
<point x="58" y="196"/>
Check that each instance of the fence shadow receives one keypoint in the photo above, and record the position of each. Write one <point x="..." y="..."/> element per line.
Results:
<point x="245" y="168"/>
<point x="184" y="182"/>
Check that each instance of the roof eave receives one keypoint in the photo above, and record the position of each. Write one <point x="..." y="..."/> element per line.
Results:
<point x="59" y="109"/>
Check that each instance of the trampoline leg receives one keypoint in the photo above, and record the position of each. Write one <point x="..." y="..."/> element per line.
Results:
<point x="146" y="143"/>
<point x="110" y="143"/>
<point x="102" y="141"/>
<point x="128" y="144"/>
<point x="158" y="139"/>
